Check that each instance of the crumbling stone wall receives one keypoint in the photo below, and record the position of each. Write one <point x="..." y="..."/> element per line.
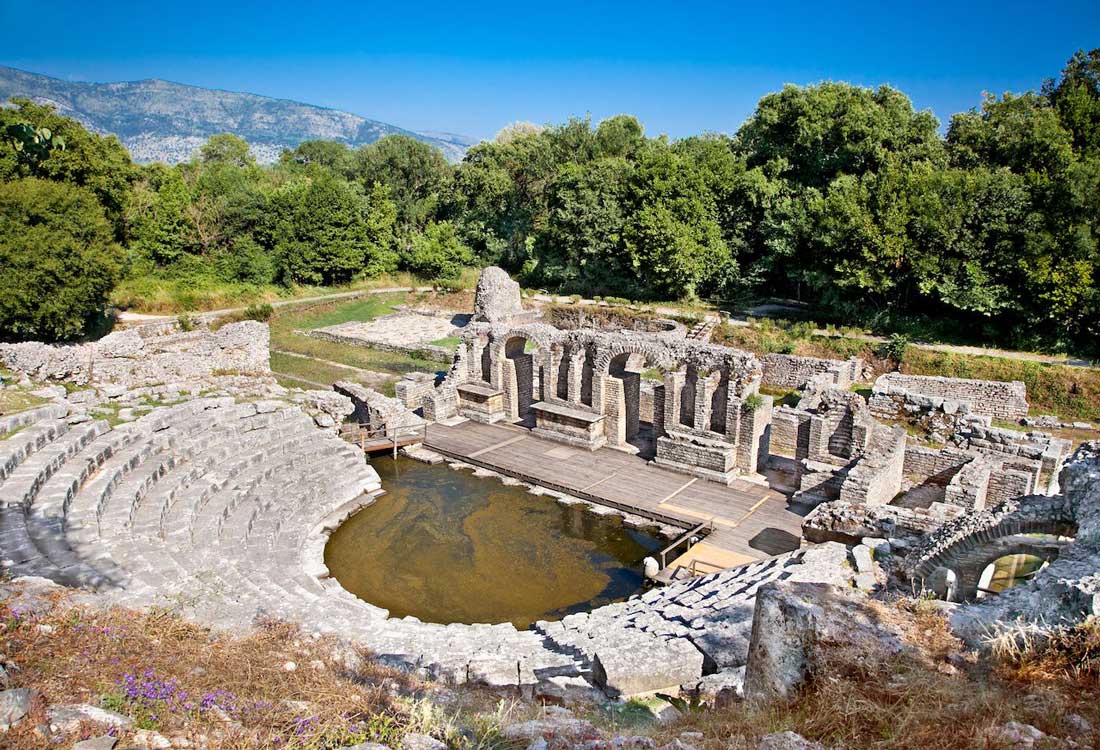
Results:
<point x="789" y="371"/>
<point x="415" y="388"/>
<point x="147" y="355"/>
<point x="875" y="478"/>
<point x="1049" y="451"/>
<point x="991" y="398"/>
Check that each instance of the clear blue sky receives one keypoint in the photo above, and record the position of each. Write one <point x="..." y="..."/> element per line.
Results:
<point x="681" y="67"/>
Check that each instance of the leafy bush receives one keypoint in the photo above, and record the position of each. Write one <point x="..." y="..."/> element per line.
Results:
<point x="58" y="259"/>
<point x="185" y="322"/>
<point x="894" y="348"/>
<point x="437" y="253"/>
<point x="261" y="312"/>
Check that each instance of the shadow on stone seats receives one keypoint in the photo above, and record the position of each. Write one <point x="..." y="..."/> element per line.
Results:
<point x="775" y="541"/>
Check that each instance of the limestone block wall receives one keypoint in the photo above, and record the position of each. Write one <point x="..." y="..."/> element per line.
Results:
<point x="875" y="478"/>
<point x="789" y="371"/>
<point x="414" y="388"/>
<point x="790" y="434"/>
<point x="753" y="442"/>
<point x="646" y="389"/>
<point x="1049" y="451"/>
<point x="923" y="465"/>
<point x="992" y="398"/>
<point x="147" y="355"/>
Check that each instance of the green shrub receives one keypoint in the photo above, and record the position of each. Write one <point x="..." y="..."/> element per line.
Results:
<point x="261" y="312"/>
<point x="186" y="322"/>
<point x="894" y="348"/>
<point x="58" y="259"/>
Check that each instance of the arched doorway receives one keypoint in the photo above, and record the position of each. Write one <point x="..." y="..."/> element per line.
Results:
<point x="521" y="377"/>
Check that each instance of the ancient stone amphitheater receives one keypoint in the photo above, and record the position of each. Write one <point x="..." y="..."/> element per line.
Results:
<point x="220" y="509"/>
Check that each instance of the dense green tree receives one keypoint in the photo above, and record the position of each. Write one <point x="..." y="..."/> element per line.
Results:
<point x="416" y="175"/>
<point x="812" y="134"/>
<point x="330" y="154"/>
<point x="58" y="259"/>
<point x="163" y="231"/>
<point x="323" y="235"/>
<point x="673" y="238"/>
<point x="437" y="253"/>
<point x="99" y="163"/>
<point x="582" y="244"/>
<point x="1076" y="97"/>
<point x="226" y="148"/>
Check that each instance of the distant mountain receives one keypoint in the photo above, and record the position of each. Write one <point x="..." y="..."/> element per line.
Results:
<point x="164" y="121"/>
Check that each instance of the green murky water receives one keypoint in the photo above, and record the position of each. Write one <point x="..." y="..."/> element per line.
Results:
<point x="445" y="546"/>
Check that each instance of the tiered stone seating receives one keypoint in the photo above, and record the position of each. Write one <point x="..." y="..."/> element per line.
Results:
<point x="219" y="509"/>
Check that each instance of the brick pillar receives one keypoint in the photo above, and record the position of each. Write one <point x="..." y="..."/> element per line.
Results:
<point x="704" y="392"/>
<point x="614" y="403"/>
<point x="755" y="432"/>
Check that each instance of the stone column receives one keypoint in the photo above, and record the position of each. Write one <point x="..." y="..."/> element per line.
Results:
<point x="704" y="391"/>
<point x="614" y="403"/>
<point x="659" y="410"/>
<point x="753" y="447"/>
<point x="674" y="388"/>
<point x="576" y="374"/>
<point x="550" y="387"/>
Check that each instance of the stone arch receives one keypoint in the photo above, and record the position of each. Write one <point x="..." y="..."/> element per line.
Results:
<point x="969" y="543"/>
<point x="519" y="372"/>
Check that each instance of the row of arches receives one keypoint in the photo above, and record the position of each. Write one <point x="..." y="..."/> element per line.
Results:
<point x="642" y="386"/>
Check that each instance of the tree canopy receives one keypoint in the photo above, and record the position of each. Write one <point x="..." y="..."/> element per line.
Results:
<point x="842" y="196"/>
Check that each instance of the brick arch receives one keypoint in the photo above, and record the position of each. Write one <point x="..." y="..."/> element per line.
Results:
<point x="601" y="367"/>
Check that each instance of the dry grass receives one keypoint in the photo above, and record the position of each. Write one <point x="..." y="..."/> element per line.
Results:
<point x="183" y="681"/>
<point x="933" y="696"/>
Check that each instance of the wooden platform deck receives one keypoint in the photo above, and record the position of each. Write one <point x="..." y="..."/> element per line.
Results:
<point x="750" y="520"/>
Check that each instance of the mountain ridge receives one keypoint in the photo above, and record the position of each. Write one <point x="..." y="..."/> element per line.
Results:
<point x="162" y="120"/>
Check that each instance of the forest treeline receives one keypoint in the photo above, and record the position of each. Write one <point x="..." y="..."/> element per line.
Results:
<point x="837" y="195"/>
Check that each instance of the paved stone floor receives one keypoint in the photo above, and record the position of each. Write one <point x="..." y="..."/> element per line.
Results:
<point x="400" y="329"/>
<point x="751" y="521"/>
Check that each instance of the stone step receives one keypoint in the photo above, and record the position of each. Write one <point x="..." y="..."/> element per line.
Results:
<point x="19" y="420"/>
<point x="22" y="484"/>
<point x="17" y="448"/>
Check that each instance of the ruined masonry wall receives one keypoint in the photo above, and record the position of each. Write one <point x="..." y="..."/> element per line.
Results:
<point x="789" y="371"/>
<point x="875" y="479"/>
<point x="146" y="355"/>
<point x="996" y="399"/>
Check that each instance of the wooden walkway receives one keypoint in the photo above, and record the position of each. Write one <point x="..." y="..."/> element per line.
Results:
<point x="750" y="521"/>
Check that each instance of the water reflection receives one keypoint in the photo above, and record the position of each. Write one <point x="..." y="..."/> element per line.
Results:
<point x="445" y="546"/>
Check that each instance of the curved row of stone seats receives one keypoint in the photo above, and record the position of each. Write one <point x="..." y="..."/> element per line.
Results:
<point x="13" y="422"/>
<point x="17" y="448"/>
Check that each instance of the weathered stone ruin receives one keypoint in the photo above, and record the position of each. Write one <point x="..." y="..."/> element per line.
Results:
<point x="990" y="398"/>
<point x="497" y="297"/>
<point x="147" y="355"/>
<point x="797" y="373"/>
<point x="583" y="388"/>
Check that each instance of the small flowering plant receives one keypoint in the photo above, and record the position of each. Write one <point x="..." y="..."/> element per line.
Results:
<point x="150" y="700"/>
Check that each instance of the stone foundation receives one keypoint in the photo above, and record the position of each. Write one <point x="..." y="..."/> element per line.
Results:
<point x="990" y="398"/>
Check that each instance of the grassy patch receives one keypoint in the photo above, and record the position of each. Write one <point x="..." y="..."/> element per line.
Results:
<point x="447" y="342"/>
<point x="156" y="294"/>
<point x="286" y="321"/>
<point x="13" y="400"/>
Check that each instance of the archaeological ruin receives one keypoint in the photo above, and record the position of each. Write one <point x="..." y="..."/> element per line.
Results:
<point x="175" y="468"/>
